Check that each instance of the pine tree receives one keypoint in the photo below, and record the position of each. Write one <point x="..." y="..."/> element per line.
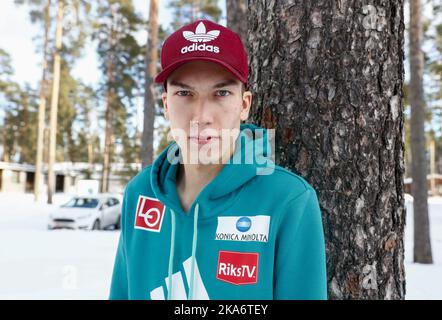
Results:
<point x="187" y="11"/>
<point x="422" y="244"/>
<point x="151" y="61"/>
<point x="54" y="101"/>
<point x="121" y="64"/>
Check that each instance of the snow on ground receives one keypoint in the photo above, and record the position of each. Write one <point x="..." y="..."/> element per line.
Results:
<point x="424" y="281"/>
<point x="36" y="263"/>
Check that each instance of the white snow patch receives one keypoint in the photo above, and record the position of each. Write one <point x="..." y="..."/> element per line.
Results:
<point x="424" y="281"/>
<point x="37" y="263"/>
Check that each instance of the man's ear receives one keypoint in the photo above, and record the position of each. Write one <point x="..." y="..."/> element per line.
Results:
<point x="166" y="110"/>
<point x="246" y="104"/>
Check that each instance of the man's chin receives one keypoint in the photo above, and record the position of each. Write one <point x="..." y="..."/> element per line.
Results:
<point x="203" y="158"/>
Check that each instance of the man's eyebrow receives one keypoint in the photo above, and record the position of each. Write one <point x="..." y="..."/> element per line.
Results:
<point x="224" y="83"/>
<point x="180" y="84"/>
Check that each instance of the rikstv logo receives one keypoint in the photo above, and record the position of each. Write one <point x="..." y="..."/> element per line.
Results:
<point x="237" y="267"/>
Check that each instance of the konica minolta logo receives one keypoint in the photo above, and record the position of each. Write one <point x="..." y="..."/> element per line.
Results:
<point x="200" y="35"/>
<point x="245" y="228"/>
<point x="243" y="224"/>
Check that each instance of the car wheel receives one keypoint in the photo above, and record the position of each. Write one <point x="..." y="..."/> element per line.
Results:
<point x="118" y="224"/>
<point x="96" y="225"/>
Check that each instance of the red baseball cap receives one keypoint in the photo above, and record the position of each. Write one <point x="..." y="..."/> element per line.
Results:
<point x="204" y="40"/>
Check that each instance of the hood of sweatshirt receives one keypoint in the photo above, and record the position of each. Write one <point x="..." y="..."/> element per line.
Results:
<point x="252" y="157"/>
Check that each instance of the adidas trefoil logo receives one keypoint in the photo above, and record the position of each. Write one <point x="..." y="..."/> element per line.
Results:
<point x="200" y="35"/>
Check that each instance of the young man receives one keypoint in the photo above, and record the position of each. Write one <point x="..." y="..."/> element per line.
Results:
<point x="213" y="217"/>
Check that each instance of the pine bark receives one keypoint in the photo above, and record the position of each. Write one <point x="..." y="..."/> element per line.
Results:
<point x="328" y="76"/>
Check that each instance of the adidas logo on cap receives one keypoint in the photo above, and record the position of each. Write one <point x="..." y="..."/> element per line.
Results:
<point x="200" y="35"/>
<point x="203" y="40"/>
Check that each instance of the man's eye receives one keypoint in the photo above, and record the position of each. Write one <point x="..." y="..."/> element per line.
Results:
<point x="183" y="93"/>
<point x="223" y="93"/>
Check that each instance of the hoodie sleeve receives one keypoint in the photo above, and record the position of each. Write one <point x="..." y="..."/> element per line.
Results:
<point x="300" y="262"/>
<point x="119" y="285"/>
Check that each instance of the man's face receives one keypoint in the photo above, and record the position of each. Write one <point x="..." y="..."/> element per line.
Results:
<point x="205" y="105"/>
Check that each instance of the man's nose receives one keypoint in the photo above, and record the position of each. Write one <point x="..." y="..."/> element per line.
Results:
<point x="203" y="113"/>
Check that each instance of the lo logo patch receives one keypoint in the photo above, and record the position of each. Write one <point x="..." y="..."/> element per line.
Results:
<point x="150" y="213"/>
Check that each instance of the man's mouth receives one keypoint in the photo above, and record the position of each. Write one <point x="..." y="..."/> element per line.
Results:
<point x="201" y="140"/>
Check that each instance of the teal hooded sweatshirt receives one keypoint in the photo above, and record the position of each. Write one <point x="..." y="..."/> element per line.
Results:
<point x="254" y="232"/>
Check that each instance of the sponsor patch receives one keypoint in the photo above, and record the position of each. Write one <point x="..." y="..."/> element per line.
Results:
<point x="237" y="268"/>
<point x="243" y="228"/>
<point x="150" y="213"/>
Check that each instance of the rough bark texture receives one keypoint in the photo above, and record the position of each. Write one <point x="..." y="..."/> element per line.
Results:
<point x="328" y="75"/>
<point x="237" y="17"/>
<point x="422" y="245"/>
<point x="151" y="60"/>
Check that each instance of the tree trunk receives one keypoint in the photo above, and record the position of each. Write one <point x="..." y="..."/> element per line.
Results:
<point x="109" y="106"/>
<point x="108" y="130"/>
<point x="54" y="102"/>
<point x="6" y="149"/>
<point x="149" y="90"/>
<point x="419" y="189"/>
<point x="42" y="108"/>
<point x="327" y="76"/>
<point x="433" y="166"/>
<point x="237" y="17"/>
<point x="90" y="155"/>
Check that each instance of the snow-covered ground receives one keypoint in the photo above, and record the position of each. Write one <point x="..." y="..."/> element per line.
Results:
<point x="424" y="281"/>
<point x="36" y="263"/>
<point x="63" y="264"/>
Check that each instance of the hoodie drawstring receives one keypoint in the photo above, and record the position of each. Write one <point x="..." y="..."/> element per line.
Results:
<point x="194" y="241"/>
<point x="172" y="252"/>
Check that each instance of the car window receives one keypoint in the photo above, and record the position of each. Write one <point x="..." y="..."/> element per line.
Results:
<point x="110" y="202"/>
<point x="81" y="203"/>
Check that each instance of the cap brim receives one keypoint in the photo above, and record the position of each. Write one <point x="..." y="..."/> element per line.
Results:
<point x="164" y="74"/>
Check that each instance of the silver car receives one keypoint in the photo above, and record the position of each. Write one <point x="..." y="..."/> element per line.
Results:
<point x="96" y="212"/>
